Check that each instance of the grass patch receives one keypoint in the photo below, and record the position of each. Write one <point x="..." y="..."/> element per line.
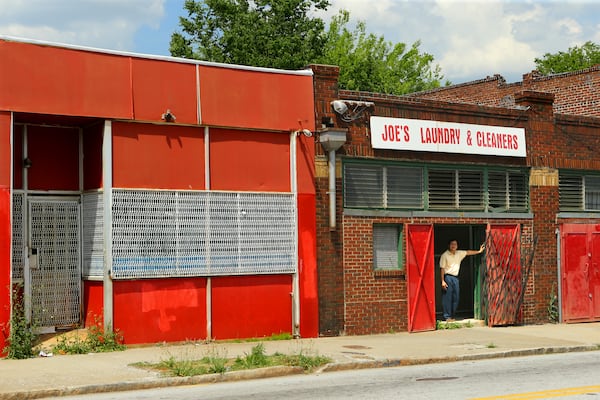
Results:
<point x="453" y="325"/>
<point x="491" y="346"/>
<point x="215" y="362"/>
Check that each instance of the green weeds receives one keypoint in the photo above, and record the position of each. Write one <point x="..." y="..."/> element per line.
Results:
<point x="215" y="362"/>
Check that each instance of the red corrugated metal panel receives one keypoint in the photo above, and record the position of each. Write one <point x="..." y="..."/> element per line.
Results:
<point x="161" y="85"/>
<point x="249" y="161"/>
<point x="158" y="156"/>
<point x="52" y="80"/>
<point x="157" y="310"/>
<point x="306" y="164"/>
<point x="18" y="157"/>
<point x="92" y="156"/>
<point x="93" y="302"/>
<point x="254" y="99"/>
<point x="54" y="155"/>
<point x="251" y="306"/>
<point x="307" y="261"/>
<point x="420" y="274"/>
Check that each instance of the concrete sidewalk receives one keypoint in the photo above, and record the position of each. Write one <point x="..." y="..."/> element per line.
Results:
<point x="102" y="372"/>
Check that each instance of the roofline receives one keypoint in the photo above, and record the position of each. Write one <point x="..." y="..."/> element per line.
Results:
<point x="304" y="72"/>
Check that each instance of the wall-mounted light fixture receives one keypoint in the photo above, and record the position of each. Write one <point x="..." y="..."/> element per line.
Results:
<point x="27" y="162"/>
<point x="350" y="110"/>
<point x="168" y="116"/>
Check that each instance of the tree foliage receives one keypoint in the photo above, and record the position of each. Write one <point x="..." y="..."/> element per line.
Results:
<point x="262" y="33"/>
<point x="576" y="58"/>
<point x="282" y="34"/>
<point x="370" y="63"/>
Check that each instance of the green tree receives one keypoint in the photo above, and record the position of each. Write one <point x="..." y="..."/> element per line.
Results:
<point x="262" y="33"/>
<point x="576" y="58"/>
<point x="370" y="63"/>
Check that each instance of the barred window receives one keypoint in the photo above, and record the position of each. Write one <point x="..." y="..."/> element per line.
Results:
<point x="387" y="248"/>
<point x="433" y="188"/>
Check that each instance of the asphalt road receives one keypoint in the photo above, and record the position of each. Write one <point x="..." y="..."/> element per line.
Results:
<point x="569" y="375"/>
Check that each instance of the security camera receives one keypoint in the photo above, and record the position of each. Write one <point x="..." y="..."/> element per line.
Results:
<point x="339" y="107"/>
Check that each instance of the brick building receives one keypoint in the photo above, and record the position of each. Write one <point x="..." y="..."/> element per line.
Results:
<point x="400" y="193"/>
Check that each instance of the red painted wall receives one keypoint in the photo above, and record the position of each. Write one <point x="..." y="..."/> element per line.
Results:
<point x="18" y="157"/>
<point x="54" y="154"/>
<point x="92" y="156"/>
<point x="251" y="306"/>
<point x="52" y="80"/>
<point x="5" y="235"/>
<point x="162" y="85"/>
<point x="93" y="292"/>
<point x="158" y="156"/>
<point x="249" y="161"/>
<point x="307" y="266"/>
<point x="170" y="310"/>
<point x="260" y="100"/>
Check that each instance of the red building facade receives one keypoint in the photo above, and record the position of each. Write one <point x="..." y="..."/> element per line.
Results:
<point x="171" y="199"/>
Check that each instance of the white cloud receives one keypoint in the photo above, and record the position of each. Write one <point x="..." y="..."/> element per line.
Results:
<point x="107" y="24"/>
<point x="474" y="39"/>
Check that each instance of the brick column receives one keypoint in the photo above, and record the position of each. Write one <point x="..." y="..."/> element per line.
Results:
<point x="543" y="190"/>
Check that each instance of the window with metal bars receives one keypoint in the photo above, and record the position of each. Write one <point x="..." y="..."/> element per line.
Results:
<point x="371" y="185"/>
<point x="387" y="251"/>
<point x="578" y="192"/>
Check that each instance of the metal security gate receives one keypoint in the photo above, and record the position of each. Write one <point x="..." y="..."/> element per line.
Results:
<point x="507" y="265"/>
<point x="53" y="268"/>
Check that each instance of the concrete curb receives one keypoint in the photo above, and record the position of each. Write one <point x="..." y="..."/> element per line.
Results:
<point x="270" y="372"/>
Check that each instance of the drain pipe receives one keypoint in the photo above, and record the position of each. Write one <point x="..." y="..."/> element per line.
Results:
<point x="332" y="139"/>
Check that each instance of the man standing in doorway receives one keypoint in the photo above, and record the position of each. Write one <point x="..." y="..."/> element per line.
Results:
<point x="449" y="268"/>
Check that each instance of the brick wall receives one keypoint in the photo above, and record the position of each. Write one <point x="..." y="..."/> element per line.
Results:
<point x="576" y="93"/>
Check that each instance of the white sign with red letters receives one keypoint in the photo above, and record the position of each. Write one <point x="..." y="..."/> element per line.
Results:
<point x="446" y="137"/>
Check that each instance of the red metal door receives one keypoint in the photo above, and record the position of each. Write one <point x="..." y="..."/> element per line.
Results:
<point x="594" y="276"/>
<point x="420" y="274"/>
<point x="576" y="302"/>
<point x="503" y="275"/>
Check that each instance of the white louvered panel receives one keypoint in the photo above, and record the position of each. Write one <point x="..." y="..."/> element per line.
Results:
<point x="93" y="235"/>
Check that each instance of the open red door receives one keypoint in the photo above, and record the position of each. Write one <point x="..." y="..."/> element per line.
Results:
<point x="503" y="275"/>
<point x="421" y="279"/>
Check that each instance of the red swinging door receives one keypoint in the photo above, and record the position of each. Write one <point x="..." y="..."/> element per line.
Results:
<point x="421" y="279"/>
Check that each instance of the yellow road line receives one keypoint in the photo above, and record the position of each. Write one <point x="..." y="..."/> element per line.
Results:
<point x="545" y="394"/>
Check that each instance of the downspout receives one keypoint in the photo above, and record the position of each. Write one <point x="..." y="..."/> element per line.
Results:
<point x="296" y="274"/>
<point x="332" y="192"/>
<point x="332" y="139"/>
<point x="107" y="179"/>
<point x="207" y="187"/>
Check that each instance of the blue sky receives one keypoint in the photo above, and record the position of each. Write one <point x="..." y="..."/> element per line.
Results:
<point x="469" y="39"/>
